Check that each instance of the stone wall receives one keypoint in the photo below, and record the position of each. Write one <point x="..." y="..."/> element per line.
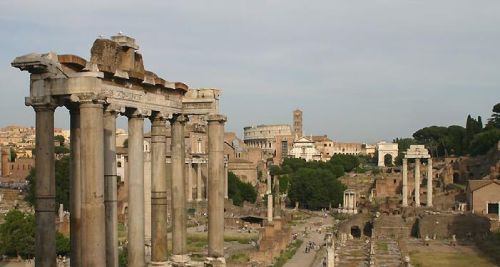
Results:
<point x="446" y="225"/>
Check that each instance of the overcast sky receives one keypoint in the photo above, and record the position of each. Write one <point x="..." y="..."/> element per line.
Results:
<point x="360" y="70"/>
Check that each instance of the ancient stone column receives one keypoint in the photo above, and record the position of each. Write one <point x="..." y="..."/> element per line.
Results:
<point x="429" y="182"/>
<point x="110" y="187"/>
<point x="179" y="219"/>
<point x="269" y="199"/>
<point x="404" y="188"/>
<point x="45" y="236"/>
<point x="417" y="182"/>
<point x="199" y="196"/>
<point x="75" y="188"/>
<point x="226" y="185"/>
<point x="277" y="204"/>
<point x="216" y="189"/>
<point x="92" y="176"/>
<point x="136" y="252"/>
<point x="158" y="192"/>
<point x="190" y="181"/>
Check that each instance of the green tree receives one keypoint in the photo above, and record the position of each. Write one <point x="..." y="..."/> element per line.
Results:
<point x="62" y="245"/>
<point x="403" y="145"/>
<point x="17" y="234"/>
<point x="349" y="162"/>
<point x="484" y="141"/>
<point x="315" y="188"/>
<point x="62" y="183"/>
<point x="284" y="183"/>
<point x="240" y="191"/>
<point x="494" y="121"/>
<point x="60" y="139"/>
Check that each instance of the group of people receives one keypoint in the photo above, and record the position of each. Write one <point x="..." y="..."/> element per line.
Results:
<point x="311" y="245"/>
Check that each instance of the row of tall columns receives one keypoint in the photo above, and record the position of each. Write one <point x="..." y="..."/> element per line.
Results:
<point x="417" y="182"/>
<point x="93" y="187"/>
<point x="199" y="182"/>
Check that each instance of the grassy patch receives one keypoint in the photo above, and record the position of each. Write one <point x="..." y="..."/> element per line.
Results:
<point x="288" y="253"/>
<point x="382" y="246"/>
<point x="491" y="246"/>
<point x="239" y="257"/>
<point x="442" y="259"/>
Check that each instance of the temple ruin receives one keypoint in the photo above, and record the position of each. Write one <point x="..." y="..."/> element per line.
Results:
<point x="114" y="82"/>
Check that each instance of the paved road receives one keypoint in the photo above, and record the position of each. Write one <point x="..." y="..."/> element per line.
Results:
<point x="302" y="259"/>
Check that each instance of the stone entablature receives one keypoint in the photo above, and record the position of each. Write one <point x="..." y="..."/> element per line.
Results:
<point x="115" y="74"/>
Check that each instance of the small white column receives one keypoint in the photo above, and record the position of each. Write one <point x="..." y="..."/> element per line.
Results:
<point x="429" y="182"/>
<point x="190" y="181"/>
<point x="417" y="182"/>
<point x="269" y="199"/>
<point x="226" y="186"/>
<point x="404" y="188"/>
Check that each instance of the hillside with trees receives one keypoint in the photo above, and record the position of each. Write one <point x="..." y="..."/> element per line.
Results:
<point x="473" y="139"/>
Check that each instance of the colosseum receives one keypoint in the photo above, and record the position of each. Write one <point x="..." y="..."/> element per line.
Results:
<point x="264" y="136"/>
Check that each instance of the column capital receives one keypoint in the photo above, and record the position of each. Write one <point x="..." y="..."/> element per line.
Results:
<point x="88" y="98"/>
<point x="216" y="118"/>
<point x="159" y="116"/>
<point x="43" y="103"/>
<point x="137" y="113"/>
<point x="114" y="109"/>
<point x="181" y="118"/>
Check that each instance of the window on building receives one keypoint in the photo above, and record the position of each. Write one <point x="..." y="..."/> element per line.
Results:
<point x="492" y="208"/>
<point x="119" y="164"/>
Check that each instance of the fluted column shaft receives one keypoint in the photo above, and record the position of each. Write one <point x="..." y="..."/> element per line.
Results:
<point x="75" y="188"/>
<point x="429" y="182"/>
<point x="136" y="253"/>
<point x="110" y="188"/>
<point x="179" y="219"/>
<point x="92" y="174"/>
<point x="417" y="182"/>
<point x="158" y="192"/>
<point x="45" y="236"/>
<point x="216" y="185"/>
<point x="404" y="188"/>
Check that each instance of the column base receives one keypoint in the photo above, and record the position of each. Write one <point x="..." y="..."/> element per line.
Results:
<point x="180" y="260"/>
<point x="215" y="262"/>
